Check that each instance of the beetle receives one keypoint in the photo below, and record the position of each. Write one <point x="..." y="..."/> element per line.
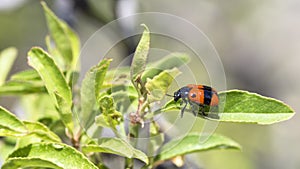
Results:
<point x="199" y="96"/>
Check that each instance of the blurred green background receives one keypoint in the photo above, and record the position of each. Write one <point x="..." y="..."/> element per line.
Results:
<point x="258" y="43"/>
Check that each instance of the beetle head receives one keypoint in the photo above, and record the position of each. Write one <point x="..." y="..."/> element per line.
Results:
<point x="177" y="95"/>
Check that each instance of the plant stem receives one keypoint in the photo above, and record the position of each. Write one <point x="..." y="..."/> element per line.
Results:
<point x="128" y="163"/>
<point x="114" y="129"/>
<point x="75" y="140"/>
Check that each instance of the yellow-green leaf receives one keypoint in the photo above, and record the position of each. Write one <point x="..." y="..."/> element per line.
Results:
<point x="7" y="58"/>
<point x="158" y="86"/>
<point x="100" y="72"/>
<point x="168" y="62"/>
<point x="66" y="40"/>
<point x="140" y="56"/>
<point x="26" y="75"/>
<point x="243" y="106"/>
<point x="41" y="131"/>
<point x="22" y="87"/>
<point x="116" y="146"/>
<point x="54" y="81"/>
<point x="54" y="155"/>
<point x="191" y="143"/>
<point x="10" y="125"/>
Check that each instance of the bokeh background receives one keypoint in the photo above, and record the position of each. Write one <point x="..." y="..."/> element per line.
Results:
<point x="258" y="43"/>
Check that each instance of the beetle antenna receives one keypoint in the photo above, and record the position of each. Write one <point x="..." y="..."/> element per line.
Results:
<point x="169" y="95"/>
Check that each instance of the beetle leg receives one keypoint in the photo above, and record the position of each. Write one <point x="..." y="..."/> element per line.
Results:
<point x="205" y="114"/>
<point x="195" y="112"/>
<point x="182" y="110"/>
<point x="194" y="109"/>
<point x="203" y="111"/>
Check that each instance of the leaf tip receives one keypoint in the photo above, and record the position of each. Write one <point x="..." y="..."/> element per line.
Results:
<point x="12" y="50"/>
<point x="31" y="52"/>
<point x="44" y="5"/>
<point x="145" y="27"/>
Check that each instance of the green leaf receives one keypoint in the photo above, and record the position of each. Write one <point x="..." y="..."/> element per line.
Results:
<point x="100" y="71"/>
<point x="158" y="86"/>
<point x="138" y="154"/>
<point x="24" y="82"/>
<point x="55" y="54"/>
<point x="7" y="146"/>
<point x="54" y="81"/>
<point x="65" y="39"/>
<point x="37" y="132"/>
<point x="140" y="56"/>
<point x="65" y="112"/>
<point x="246" y="107"/>
<point x="92" y="84"/>
<point x="87" y="97"/>
<point x="26" y="75"/>
<point x="21" y="88"/>
<point x="50" y="74"/>
<point x="75" y="46"/>
<point x="191" y="143"/>
<point x="169" y="62"/>
<point x="116" y="146"/>
<point x="10" y="125"/>
<point x="7" y="58"/>
<point x="28" y="162"/>
<point x="41" y="131"/>
<point x="55" y="155"/>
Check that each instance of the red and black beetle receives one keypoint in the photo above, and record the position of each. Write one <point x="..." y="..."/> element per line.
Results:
<point x="197" y="95"/>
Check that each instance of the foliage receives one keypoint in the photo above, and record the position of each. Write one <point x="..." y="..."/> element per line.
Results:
<point x="54" y="139"/>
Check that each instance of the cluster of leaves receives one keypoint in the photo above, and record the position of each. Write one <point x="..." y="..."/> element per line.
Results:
<point x="52" y="137"/>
